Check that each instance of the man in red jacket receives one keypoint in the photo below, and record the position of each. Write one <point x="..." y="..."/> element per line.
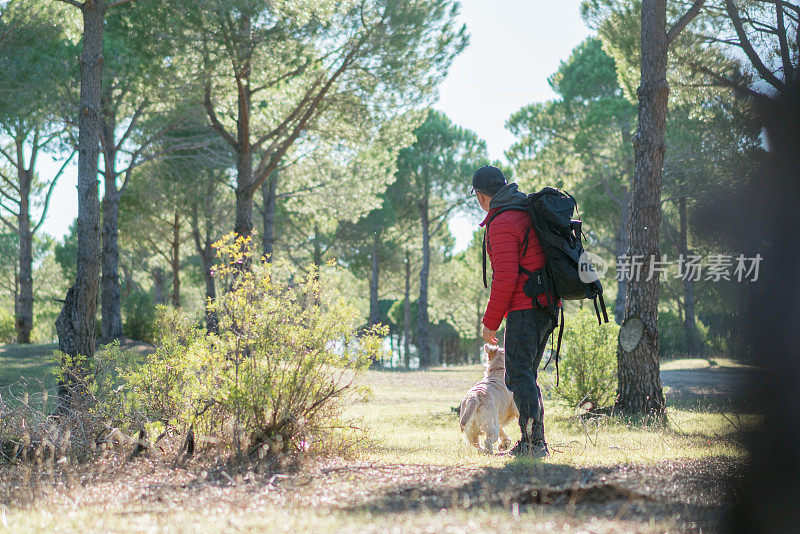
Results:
<point x="527" y="326"/>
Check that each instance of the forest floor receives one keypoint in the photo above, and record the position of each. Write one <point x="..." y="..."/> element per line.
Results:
<point x="416" y="473"/>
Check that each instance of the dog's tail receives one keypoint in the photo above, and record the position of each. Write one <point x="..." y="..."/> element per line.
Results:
<point x="468" y="408"/>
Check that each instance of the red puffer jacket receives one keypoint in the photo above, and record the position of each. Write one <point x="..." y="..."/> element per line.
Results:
<point x="506" y="235"/>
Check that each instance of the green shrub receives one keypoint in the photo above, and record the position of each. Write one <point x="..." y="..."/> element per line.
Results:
<point x="275" y="376"/>
<point x="588" y="361"/>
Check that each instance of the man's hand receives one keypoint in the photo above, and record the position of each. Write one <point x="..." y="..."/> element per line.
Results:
<point x="489" y="336"/>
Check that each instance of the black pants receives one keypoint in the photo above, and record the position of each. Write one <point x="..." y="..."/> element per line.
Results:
<point x="526" y="337"/>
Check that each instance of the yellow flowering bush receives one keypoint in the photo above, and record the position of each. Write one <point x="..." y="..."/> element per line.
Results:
<point x="275" y="375"/>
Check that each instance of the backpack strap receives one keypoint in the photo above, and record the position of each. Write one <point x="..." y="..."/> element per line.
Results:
<point x="602" y="306"/>
<point x="532" y="215"/>
<point x="525" y="242"/>
<point x="550" y="289"/>
<point x="596" y="311"/>
<point x="483" y="257"/>
<point x="558" y="345"/>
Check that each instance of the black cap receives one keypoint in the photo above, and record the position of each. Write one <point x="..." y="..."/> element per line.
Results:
<point x="488" y="180"/>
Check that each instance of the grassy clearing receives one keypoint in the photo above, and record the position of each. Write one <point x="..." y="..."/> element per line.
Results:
<point x="26" y="361"/>
<point x="26" y="367"/>
<point x="417" y="474"/>
<point x="411" y="420"/>
<point x="31" y="368"/>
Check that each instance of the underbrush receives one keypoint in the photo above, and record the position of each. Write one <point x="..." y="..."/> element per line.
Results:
<point x="587" y="366"/>
<point x="270" y="383"/>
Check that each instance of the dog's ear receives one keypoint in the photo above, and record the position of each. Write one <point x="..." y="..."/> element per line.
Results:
<point x="490" y="350"/>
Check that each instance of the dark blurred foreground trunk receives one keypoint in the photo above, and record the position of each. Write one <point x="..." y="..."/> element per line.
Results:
<point x="764" y="218"/>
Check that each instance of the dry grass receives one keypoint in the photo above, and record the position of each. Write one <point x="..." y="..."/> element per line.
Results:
<point x="412" y="421"/>
<point x="416" y="475"/>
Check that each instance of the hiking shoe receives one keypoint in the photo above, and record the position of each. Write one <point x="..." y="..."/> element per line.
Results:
<point x="526" y="449"/>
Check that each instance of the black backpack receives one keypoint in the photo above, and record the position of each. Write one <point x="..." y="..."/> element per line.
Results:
<point x="567" y="274"/>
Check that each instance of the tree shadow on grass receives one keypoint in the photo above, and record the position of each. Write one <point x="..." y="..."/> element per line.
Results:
<point x="719" y="388"/>
<point x="687" y="492"/>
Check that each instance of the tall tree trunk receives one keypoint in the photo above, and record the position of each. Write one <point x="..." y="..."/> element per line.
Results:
<point x="317" y="259"/>
<point x="317" y="252"/>
<point x="374" y="311"/>
<point x="639" y="380"/>
<point x="76" y="322"/>
<point x="206" y="252"/>
<point x="175" y="262"/>
<point x="24" y="301"/>
<point x="623" y="233"/>
<point x="622" y="242"/>
<point x="207" y="255"/>
<point x="244" y="157"/>
<point x="407" y="313"/>
<point x="129" y="284"/>
<point x="110" y="294"/>
<point x="689" y="322"/>
<point x="244" y="213"/>
<point x="211" y="293"/>
<point x="269" y="189"/>
<point x="423" y="327"/>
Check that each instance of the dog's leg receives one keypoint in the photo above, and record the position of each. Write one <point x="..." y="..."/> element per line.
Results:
<point x="493" y="430"/>
<point x="471" y="433"/>
<point x="505" y="441"/>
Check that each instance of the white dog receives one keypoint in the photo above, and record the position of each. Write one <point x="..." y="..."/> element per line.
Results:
<point x="489" y="405"/>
